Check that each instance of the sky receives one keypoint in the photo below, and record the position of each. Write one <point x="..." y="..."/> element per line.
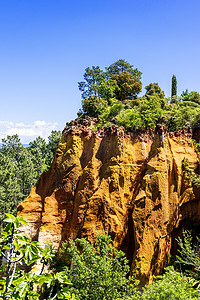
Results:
<point x="46" y="45"/>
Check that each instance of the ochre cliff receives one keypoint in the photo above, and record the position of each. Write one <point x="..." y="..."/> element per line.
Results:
<point x="128" y="185"/>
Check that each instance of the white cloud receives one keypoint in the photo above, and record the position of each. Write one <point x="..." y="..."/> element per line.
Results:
<point x="27" y="132"/>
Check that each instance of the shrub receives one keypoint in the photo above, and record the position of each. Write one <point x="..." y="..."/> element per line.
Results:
<point x="93" y="106"/>
<point x="110" y="112"/>
<point x="146" y="114"/>
<point x="130" y="119"/>
<point x="178" y="117"/>
<point x="96" y="271"/>
<point x="172" y="285"/>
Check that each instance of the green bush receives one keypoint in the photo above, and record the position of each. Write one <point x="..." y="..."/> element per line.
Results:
<point x="130" y="119"/>
<point x="93" y="106"/>
<point x="146" y="114"/>
<point x="151" y="111"/>
<point x="190" y="96"/>
<point x="96" y="271"/>
<point x="172" y="285"/>
<point x="177" y="117"/>
<point x="110" y="112"/>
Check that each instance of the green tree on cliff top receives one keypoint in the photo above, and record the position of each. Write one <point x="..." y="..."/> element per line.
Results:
<point x="101" y="89"/>
<point x="174" y="89"/>
<point x="120" y="66"/>
<point x="153" y="89"/>
<point x="92" y="77"/>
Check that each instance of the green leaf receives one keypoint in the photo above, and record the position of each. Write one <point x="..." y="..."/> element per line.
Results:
<point x="8" y="220"/>
<point x="8" y="227"/>
<point x="16" y="244"/>
<point x="22" y="288"/>
<point x="33" y="260"/>
<point x="21" y="220"/>
<point x="10" y="217"/>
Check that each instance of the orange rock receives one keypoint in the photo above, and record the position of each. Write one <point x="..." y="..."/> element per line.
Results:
<point x="31" y="210"/>
<point x="130" y="186"/>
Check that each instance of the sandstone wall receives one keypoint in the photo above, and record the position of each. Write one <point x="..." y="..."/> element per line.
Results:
<point x="130" y="186"/>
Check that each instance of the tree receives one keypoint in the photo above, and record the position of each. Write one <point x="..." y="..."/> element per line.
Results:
<point x="106" y="90"/>
<point x="96" y="271"/>
<point x="17" y="174"/>
<point x="39" y="143"/>
<point x="52" y="145"/>
<point x="120" y="66"/>
<point x="26" y="172"/>
<point x="21" y="167"/>
<point x="10" y="193"/>
<point x="93" y="106"/>
<point x="126" y="85"/>
<point x="190" y="98"/>
<point x="178" y="116"/>
<point x="38" y="150"/>
<point x="11" y="146"/>
<point x="153" y="89"/>
<point x="188" y="253"/>
<point x="92" y="77"/>
<point x="174" y="88"/>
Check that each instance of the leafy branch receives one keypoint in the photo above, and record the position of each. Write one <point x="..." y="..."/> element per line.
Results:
<point x="19" y="253"/>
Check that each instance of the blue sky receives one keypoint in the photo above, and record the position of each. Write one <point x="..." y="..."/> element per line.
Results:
<point x="45" y="46"/>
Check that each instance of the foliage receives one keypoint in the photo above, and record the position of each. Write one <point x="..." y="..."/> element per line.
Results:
<point x="21" y="167"/>
<point x="120" y="66"/>
<point x="190" y="174"/>
<point x="151" y="111"/>
<point x="92" y="77"/>
<point x="190" y="97"/>
<point x="19" y="252"/>
<point x="153" y="89"/>
<point x="8" y="184"/>
<point x="17" y="174"/>
<point x="130" y="119"/>
<point x="107" y="89"/>
<point x="101" y="88"/>
<point x="188" y="253"/>
<point x="126" y="85"/>
<point x="93" y="106"/>
<point x="177" y="116"/>
<point x="52" y="145"/>
<point x="111" y="112"/>
<point x="38" y="150"/>
<point x="174" y="87"/>
<point x="96" y="271"/>
<point x="144" y="113"/>
<point x="171" y="285"/>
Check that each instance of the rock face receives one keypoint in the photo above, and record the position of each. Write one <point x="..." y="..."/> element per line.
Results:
<point x="130" y="186"/>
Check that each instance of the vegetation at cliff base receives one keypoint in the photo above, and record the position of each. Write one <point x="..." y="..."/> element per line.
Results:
<point x="85" y="270"/>
<point x="96" y="271"/>
<point x="112" y="95"/>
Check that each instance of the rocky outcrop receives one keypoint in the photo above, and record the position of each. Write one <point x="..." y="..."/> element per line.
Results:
<point x="128" y="185"/>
